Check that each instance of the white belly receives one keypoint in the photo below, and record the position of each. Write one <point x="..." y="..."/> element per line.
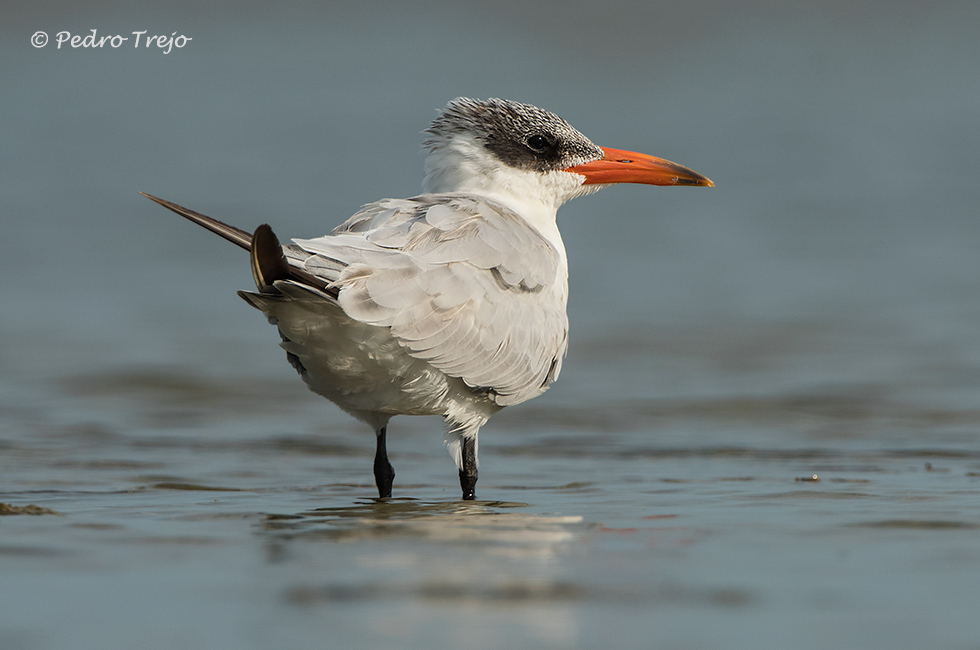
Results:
<point x="366" y="372"/>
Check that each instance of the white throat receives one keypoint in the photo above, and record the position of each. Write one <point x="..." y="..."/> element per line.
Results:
<point x="462" y="164"/>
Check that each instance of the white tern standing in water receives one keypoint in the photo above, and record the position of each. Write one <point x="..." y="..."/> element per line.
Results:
<point x="452" y="302"/>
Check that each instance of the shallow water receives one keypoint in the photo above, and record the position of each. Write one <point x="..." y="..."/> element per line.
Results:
<point x="809" y="521"/>
<point x="767" y="430"/>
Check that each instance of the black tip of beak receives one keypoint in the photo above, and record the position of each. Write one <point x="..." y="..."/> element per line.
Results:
<point x="701" y="181"/>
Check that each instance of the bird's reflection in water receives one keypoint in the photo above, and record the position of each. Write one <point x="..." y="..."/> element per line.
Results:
<point x="495" y="525"/>
<point x="491" y="563"/>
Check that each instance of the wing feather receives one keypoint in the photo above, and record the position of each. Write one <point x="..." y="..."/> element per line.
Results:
<point x="463" y="283"/>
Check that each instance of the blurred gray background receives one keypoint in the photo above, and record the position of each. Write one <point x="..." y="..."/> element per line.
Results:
<point x="838" y="248"/>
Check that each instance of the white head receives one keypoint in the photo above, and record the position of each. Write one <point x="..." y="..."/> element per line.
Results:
<point x="524" y="155"/>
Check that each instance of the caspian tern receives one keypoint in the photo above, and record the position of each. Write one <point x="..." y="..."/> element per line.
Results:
<point x="452" y="302"/>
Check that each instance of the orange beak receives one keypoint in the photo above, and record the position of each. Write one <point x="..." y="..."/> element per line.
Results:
<point x="619" y="166"/>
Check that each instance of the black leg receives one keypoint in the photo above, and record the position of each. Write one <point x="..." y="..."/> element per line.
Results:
<point x="468" y="475"/>
<point x="384" y="473"/>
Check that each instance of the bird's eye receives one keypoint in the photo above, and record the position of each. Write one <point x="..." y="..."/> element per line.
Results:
<point x="538" y="143"/>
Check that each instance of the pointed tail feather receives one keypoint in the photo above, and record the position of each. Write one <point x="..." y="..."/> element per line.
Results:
<point x="235" y="235"/>
<point x="268" y="262"/>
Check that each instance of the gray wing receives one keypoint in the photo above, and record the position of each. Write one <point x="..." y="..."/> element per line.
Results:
<point x="463" y="283"/>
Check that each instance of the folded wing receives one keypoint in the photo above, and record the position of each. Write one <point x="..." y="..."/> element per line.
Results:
<point x="464" y="284"/>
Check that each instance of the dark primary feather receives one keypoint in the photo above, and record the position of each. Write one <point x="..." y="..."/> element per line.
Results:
<point x="269" y="256"/>
<point x="268" y="262"/>
<point x="231" y="233"/>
